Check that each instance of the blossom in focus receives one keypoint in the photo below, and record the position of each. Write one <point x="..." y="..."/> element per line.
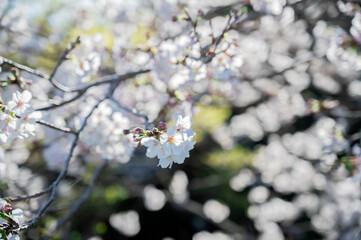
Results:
<point x="17" y="119"/>
<point x="20" y="102"/>
<point x="172" y="146"/>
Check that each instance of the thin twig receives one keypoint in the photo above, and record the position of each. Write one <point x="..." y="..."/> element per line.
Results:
<point x="80" y="93"/>
<point x="134" y="112"/>
<point x="54" y="185"/>
<point x="62" y="58"/>
<point x="6" y="10"/>
<point x="63" y="172"/>
<point x="110" y="79"/>
<point x="24" y="68"/>
<point x="105" y="80"/>
<point x="76" y="205"/>
<point x="50" y="125"/>
<point x="206" y="57"/>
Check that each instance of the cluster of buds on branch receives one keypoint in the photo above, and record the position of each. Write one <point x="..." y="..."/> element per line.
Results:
<point x="9" y="220"/>
<point x="171" y="145"/>
<point x="15" y="78"/>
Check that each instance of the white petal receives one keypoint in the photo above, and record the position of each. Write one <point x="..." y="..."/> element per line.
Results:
<point x="26" y="96"/>
<point x="151" y="152"/>
<point x="179" y="120"/>
<point x="172" y="131"/>
<point x="188" y="122"/>
<point x="165" y="162"/>
<point x="178" y="159"/>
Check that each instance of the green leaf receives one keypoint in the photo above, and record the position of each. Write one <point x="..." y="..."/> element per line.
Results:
<point x="347" y="161"/>
<point x="3" y="186"/>
<point x="101" y="228"/>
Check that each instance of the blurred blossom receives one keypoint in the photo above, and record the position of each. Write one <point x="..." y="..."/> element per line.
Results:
<point x="246" y="94"/>
<point x="326" y="83"/>
<point x="307" y="202"/>
<point x="269" y="6"/>
<point x="16" y="18"/>
<point x="275" y="210"/>
<point x="329" y="42"/>
<point x="154" y="199"/>
<point x="271" y="231"/>
<point x="178" y="187"/>
<point x="330" y="135"/>
<point x="126" y="223"/>
<point x="223" y="137"/>
<point x="95" y="238"/>
<point x="65" y="189"/>
<point x="56" y="154"/>
<point x="242" y="180"/>
<point x="354" y="89"/>
<point x="300" y="80"/>
<point x="216" y="211"/>
<point x="258" y="194"/>
<point x="290" y="77"/>
<point x="303" y="145"/>
<point x="246" y="125"/>
<point x="203" y="235"/>
<point x="356" y="27"/>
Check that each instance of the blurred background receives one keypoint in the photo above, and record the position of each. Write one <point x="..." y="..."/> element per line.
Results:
<point x="277" y="152"/>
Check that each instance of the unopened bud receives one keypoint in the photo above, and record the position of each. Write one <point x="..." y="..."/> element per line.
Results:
<point x="148" y="133"/>
<point x="162" y="125"/>
<point x="138" y="130"/>
<point x="14" y="71"/>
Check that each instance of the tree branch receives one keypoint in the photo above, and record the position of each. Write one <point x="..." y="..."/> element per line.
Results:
<point x="134" y="112"/>
<point x="105" y="80"/>
<point x="50" y="125"/>
<point x="76" y="205"/>
<point x="62" y="58"/>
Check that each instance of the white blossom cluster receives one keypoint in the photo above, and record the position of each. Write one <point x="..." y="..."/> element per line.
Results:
<point x="104" y="134"/>
<point x="17" y="118"/>
<point x="172" y="146"/>
<point x="264" y="70"/>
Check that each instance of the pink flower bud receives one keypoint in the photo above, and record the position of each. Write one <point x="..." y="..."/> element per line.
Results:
<point x="162" y="125"/>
